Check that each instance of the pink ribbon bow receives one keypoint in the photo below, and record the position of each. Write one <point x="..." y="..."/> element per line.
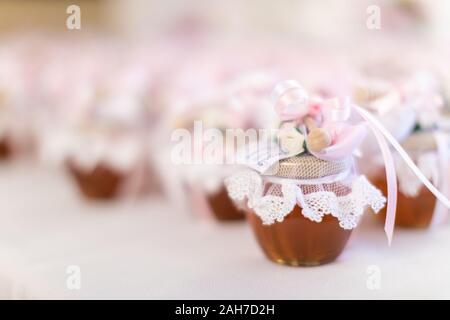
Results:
<point x="291" y="100"/>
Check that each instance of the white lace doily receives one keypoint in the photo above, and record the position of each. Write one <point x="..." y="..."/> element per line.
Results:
<point x="272" y="202"/>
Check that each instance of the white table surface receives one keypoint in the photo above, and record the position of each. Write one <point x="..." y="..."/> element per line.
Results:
<point x="147" y="250"/>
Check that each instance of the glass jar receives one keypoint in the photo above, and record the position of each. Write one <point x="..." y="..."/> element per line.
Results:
<point x="304" y="215"/>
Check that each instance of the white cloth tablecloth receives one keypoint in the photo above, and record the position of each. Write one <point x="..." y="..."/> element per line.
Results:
<point x="145" y="249"/>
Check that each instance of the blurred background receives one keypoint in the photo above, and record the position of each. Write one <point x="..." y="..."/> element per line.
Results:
<point x="138" y="69"/>
<point x="86" y="115"/>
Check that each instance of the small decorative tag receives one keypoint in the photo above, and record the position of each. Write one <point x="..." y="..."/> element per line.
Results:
<point x="262" y="156"/>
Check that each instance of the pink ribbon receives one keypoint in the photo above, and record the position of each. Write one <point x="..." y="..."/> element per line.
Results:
<point x="291" y="100"/>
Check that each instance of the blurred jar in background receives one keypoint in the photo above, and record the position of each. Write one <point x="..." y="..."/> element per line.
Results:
<point x="416" y="205"/>
<point x="409" y="109"/>
<point x="204" y="181"/>
<point x="215" y="98"/>
<point x="16" y="111"/>
<point x="100" y="133"/>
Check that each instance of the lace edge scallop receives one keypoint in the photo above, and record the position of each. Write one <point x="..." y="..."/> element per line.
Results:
<point x="270" y="208"/>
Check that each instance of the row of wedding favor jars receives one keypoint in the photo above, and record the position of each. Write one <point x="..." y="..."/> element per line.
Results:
<point x="90" y="106"/>
<point x="100" y="110"/>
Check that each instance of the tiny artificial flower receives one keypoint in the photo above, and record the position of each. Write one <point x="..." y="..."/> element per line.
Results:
<point x="291" y="141"/>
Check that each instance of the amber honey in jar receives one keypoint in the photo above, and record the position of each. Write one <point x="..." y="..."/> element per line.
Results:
<point x="101" y="182"/>
<point x="304" y="215"/>
<point x="222" y="207"/>
<point x="412" y="211"/>
<point x="5" y="148"/>
<point x="298" y="241"/>
<point x="207" y="188"/>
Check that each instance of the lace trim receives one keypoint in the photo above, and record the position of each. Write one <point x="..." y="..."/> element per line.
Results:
<point x="271" y="208"/>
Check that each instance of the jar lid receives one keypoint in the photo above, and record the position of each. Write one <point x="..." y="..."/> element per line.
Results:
<point x="306" y="166"/>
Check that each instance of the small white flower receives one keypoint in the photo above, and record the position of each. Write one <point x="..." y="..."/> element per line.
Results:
<point x="291" y="141"/>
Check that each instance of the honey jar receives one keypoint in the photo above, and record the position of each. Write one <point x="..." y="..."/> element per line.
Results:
<point x="305" y="213"/>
